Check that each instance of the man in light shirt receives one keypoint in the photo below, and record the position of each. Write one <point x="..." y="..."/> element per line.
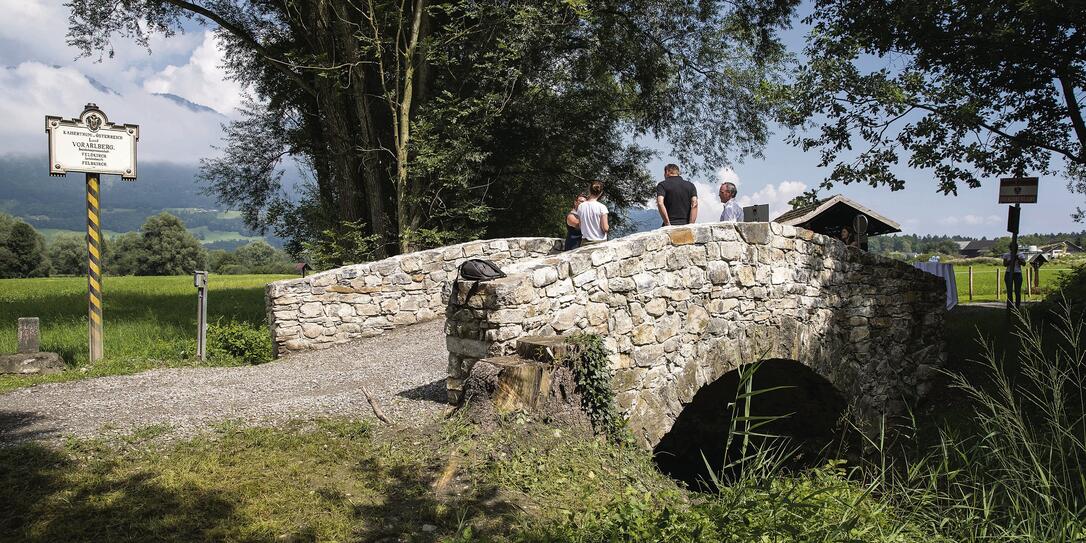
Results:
<point x="733" y="212"/>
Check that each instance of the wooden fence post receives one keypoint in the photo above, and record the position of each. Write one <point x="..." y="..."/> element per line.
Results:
<point x="970" y="283"/>
<point x="998" y="297"/>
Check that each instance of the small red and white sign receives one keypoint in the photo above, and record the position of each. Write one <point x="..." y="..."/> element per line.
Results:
<point x="1018" y="190"/>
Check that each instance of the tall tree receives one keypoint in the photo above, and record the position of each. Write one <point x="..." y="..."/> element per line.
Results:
<point x="428" y="120"/>
<point x="966" y="88"/>
<point x="22" y="250"/>
<point x="166" y="248"/>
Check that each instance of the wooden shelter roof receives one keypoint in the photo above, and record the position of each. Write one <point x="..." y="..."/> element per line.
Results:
<point x="829" y="215"/>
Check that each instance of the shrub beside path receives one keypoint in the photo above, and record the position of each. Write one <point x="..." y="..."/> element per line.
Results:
<point x="404" y="371"/>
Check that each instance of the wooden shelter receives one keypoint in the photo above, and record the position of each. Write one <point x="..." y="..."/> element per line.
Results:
<point x="829" y="216"/>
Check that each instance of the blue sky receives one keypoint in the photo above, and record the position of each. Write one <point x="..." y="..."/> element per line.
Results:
<point x="42" y="76"/>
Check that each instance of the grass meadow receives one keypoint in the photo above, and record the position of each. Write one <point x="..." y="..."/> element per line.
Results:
<point x="149" y="322"/>
<point x="986" y="276"/>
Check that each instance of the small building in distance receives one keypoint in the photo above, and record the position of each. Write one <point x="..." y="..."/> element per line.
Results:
<point x="977" y="247"/>
<point x="1060" y="248"/>
<point x="830" y="215"/>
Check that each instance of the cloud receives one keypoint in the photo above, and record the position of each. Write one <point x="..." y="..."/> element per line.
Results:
<point x="202" y="80"/>
<point x="970" y="220"/>
<point x="169" y="131"/>
<point x="777" y="196"/>
<point x="40" y="35"/>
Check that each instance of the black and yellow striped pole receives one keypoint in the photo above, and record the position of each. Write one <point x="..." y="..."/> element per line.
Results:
<point x="92" y="145"/>
<point x="94" y="269"/>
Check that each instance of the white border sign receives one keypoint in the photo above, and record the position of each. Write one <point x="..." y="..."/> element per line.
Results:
<point x="1018" y="190"/>
<point x="91" y="144"/>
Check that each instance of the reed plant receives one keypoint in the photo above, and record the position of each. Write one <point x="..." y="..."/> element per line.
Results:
<point x="1019" y="474"/>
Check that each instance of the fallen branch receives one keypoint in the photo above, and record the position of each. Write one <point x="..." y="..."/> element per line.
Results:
<point x="376" y="407"/>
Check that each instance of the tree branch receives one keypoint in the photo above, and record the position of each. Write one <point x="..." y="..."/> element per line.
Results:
<point x="243" y="35"/>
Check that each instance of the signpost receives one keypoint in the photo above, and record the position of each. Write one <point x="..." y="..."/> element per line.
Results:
<point x="92" y="145"/>
<point x="1017" y="191"/>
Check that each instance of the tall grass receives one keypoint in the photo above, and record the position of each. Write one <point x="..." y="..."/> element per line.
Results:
<point x="1019" y="474"/>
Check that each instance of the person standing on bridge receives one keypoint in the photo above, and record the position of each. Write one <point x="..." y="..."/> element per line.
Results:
<point x="593" y="216"/>
<point x="676" y="198"/>
<point x="732" y="212"/>
<point x="573" y="224"/>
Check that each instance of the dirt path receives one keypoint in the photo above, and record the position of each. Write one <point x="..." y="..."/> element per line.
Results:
<point x="404" y="370"/>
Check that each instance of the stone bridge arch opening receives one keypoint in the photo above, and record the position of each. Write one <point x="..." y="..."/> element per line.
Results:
<point x="809" y="413"/>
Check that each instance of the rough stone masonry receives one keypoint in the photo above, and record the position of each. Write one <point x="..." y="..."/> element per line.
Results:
<point x="681" y="306"/>
<point x="368" y="299"/>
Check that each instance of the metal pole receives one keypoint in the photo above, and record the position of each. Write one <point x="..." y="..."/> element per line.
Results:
<point x="200" y="279"/>
<point x="94" y="270"/>
<point x="1013" y="261"/>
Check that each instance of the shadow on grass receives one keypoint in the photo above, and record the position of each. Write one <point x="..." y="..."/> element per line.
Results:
<point x="42" y="501"/>
<point x="416" y="498"/>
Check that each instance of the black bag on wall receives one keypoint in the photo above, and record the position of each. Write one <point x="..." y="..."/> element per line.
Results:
<point x="477" y="270"/>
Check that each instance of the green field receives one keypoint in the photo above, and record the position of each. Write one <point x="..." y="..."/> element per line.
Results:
<point x="985" y="277"/>
<point x="149" y="321"/>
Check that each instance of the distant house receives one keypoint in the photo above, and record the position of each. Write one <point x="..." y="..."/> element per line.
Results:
<point x="975" y="248"/>
<point x="829" y="216"/>
<point x="962" y="245"/>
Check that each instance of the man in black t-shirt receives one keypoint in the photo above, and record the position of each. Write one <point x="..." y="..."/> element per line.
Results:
<point x="676" y="198"/>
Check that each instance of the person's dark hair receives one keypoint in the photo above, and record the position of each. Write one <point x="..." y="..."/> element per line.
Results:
<point x="596" y="188"/>
<point x="672" y="168"/>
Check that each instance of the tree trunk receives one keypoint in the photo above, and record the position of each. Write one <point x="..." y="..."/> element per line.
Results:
<point x="406" y="219"/>
<point x="369" y="146"/>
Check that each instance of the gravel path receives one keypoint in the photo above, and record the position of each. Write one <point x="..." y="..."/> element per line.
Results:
<point x="404" y="370"/>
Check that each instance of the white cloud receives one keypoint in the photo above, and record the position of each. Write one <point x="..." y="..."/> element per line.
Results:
<point x="37" y="32"/>
<point x="32" y="90"/>
<point x="202" y="80"/>
<point x="777" y="196"/>
<point x="970" y="220"/>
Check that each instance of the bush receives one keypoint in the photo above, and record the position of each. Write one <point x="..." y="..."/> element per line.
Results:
<point x="1070" y="287"/>
<point x="240" y="341"/>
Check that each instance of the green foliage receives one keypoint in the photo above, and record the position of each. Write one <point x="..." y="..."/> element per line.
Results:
<point x="349" y="244"/>
<point x="167" y="248"/>
<point x="124" y="255"/>
<point x="68" y="254"/>
<point x="242" y="341"/>
<point x="961" y="88"/>
<point x="1070" y="288"/>
<point x="22" y="250"/>
<point x="592" y="374"/>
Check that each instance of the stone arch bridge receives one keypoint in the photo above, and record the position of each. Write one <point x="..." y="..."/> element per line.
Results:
<point x="679" y="307"/>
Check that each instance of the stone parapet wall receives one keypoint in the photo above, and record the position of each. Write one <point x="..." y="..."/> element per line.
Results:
<point x="365" y="300"/>
<point x="681" y="306"/>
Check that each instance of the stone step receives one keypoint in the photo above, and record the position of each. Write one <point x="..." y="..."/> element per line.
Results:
<point x="521" y="383"/>
<point x="542" y="348"/>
